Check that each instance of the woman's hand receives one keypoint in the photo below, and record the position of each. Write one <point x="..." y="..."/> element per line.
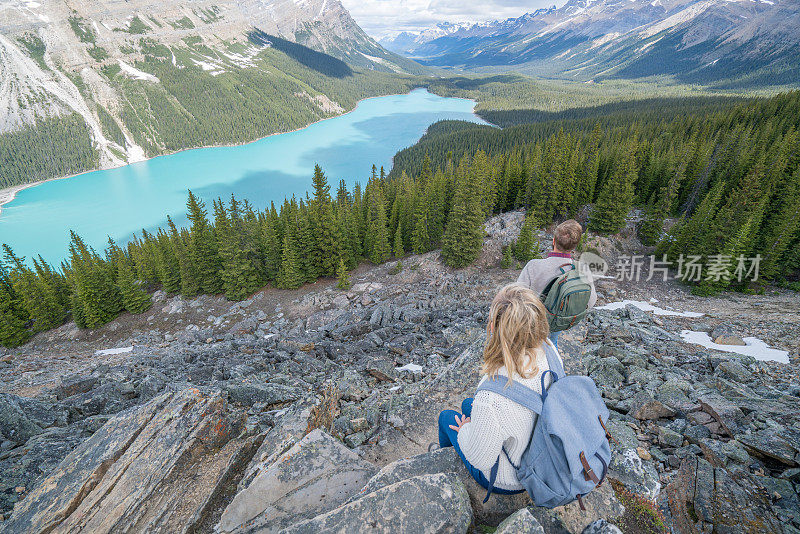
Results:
<point x="460" y="421"/>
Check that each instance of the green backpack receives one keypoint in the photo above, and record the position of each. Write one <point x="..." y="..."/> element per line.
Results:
<point x="566" y="298"/>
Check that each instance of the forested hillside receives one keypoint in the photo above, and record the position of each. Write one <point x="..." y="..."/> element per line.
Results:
<point x="731" y="175"/>
<point x="183" y="104"/>
<point x="729" y="169"/>
<point x="115" y="82"/>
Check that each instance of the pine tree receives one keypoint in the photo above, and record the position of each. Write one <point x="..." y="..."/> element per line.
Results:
<point x="376" y="239"/>
<point x="328" y="246"/>
<point x="463" y="237"/>
<point x="616" y="198"/>
<point x="420" y="238"/>
<point x="587" y="175"/>
<point x="481" y="176"/>
<point x="237" y="249"/>
<point x="290" y="275"/>
<point x="167" y="264"/>
<point x="684" y="238"/>
<point x="273" y="248"/>
<point x="738" y="244"/>
<point x="305" y="241"/>
<point x="55" y="289"/>
<point x="203" y="251"/>
<point x="36" y="293"/>
<point x="190" y="282"/>
<point x="782" y="227"/>
<point x="134" y="299"/>
<point x="95" y="297"/>
<point x="13" y="317"/>
<point x="507" y="259"/>
<point x="565" y="164"/>
<point x="398" y="243"/>
<point x="343" y="276"/>
<point x="143" y="256"/>
<point x="527" y="245"/>
<point x="653" y="224"/>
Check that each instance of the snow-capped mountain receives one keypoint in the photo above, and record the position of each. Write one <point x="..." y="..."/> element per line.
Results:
<point x="406" y="41"/>
<point x="741" y="41"/>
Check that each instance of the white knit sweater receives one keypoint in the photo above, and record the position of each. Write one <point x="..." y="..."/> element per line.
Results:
<point x="496" y="422"/>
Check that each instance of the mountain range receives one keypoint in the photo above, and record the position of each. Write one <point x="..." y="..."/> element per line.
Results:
<point x="722" y="42"/>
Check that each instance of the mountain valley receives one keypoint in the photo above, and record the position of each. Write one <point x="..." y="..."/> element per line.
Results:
<point x="719" y="43"/>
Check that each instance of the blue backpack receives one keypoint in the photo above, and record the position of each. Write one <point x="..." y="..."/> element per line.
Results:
<point x="569" y="452"/>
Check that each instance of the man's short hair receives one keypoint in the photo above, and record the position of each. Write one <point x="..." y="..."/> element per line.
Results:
<point x="567" y="235"/>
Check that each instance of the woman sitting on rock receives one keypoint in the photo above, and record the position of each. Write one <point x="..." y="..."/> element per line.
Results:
<point x="517" y="340"/>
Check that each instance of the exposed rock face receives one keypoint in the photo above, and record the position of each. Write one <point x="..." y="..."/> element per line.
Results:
<point x="314" y="476"/>
<point x="133" y="472"/>
<point x="702" y="496"/>
<point x="426" y="503"/>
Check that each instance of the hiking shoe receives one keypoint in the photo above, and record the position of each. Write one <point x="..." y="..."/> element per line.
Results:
<point x="433" y="446"/>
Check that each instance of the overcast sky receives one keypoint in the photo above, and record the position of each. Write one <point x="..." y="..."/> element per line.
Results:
<point x="381" y="17"/>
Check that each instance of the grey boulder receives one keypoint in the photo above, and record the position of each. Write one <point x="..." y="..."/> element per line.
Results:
<point x="521" y="522"/>
<point x="424" y="504"/>
<point x="314" y="476"/>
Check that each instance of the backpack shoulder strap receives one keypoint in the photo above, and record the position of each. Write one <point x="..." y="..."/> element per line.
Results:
<point x="515" y="392"/>
<point x="553" y="361"/>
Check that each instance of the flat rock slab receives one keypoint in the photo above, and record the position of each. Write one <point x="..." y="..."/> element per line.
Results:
<point x="447" y="461"/>
<point x="15" y="425"/>
<point x="428" y="503"/>
<point x="601" y="503"/>
<point x="156" y="467"/>
<point x="249" y="393"/>
<point x="289" y="428"/>
<point x="638" y="475"/>
<point x="314" y="476"/>
<point x="771" y="443"/>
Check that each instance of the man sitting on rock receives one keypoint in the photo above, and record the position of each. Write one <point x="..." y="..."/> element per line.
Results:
<point x="538" y="273"/>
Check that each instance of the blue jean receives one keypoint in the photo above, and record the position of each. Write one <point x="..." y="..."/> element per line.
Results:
<point x="449" y="438"/>
<point x="554" y="338"/>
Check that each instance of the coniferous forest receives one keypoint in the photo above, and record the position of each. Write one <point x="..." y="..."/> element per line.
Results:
<point x="730" y="176"/>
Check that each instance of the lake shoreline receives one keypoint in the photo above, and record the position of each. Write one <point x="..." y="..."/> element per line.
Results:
<point x="8" y="194"/>
<point x="122" y="201"/>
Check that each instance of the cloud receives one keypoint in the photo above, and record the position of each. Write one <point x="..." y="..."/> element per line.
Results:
<point x="384" y="17"/>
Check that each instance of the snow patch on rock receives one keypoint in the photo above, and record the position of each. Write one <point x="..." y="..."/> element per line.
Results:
<point x="111" y="352"/>
<point x="645" y="306"/>
<point x="753" y="347"/>
<point x="135" y="73"/>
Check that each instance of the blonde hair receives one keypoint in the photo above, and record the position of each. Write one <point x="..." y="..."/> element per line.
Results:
<point x="517" y="327"/>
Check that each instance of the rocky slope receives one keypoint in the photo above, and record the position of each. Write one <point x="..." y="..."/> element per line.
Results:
<point x="311" y="411"/>
<point x="739" y="42"/>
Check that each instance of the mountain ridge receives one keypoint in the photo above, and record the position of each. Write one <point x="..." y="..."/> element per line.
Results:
<point x="694" y="41"/>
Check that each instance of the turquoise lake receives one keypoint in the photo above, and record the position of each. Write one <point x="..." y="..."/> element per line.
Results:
<point x="118" y="202"/>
